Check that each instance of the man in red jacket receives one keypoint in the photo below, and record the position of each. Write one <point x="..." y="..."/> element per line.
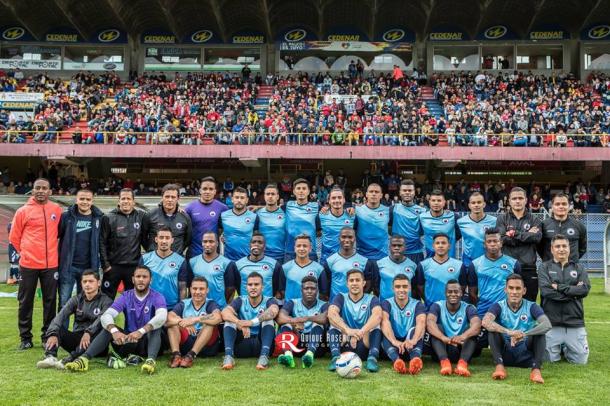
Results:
<point x="34" y="234"/>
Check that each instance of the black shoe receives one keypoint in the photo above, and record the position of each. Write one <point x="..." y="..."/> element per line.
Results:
<point x="26" y="345"/>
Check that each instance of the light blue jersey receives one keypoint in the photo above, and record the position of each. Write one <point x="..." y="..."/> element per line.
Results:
<point x="386" y="270"/>
<point x="338" y="266"/>
<point x="523" y="319"/>
<point x="355" y="314"/>
<point x="403" y="319"/>
<point x="445" y="223"/>
<point x="453" y="324"/>
<point x="473" y="236"/>
<point x="187" y="309"/>
<point x="237" y="231"/>
<point x="166" y="274"/>
<point x="405" y="222"/>
<point x="300" y="219"/>
<point x="331" y="226"/>
<point x="434" y="277"/>
<point x="296" y="308"/>
<point x="271" y="226"/>
<point x="267" y="267"/>
<point x="490" y="278"/>
<point x="220" y="274"/>
<point x="245" y="311"/>
<point x="372" y="231"/>
<point x="293" y="273"/>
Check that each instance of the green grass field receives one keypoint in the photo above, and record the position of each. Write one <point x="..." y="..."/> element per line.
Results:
<point x="205" y="383"/>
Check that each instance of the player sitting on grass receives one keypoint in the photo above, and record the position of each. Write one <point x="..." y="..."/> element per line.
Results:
<point x="403" y="325"/>
<point x="145" y="314"/>
<point x="249" y="328"/>
<point x="192" y="326"/>
<point x="306" y="317"/>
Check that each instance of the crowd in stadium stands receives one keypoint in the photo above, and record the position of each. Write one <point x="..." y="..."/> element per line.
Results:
<point x="581" y="194"/>
<point x="480" y="109"/>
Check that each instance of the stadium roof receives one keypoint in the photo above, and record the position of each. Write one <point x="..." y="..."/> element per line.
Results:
<point x="270" y="17"/>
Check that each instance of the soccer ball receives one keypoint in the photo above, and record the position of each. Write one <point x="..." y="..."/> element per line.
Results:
<point x="349" y="365"/>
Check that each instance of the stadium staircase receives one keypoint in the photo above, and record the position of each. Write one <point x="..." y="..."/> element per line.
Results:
<point x="427" y="96"/>
<point x="261" y="104"/>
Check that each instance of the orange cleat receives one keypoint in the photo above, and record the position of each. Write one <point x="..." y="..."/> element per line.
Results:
<point x="446" y="367"/>
<point x="399" y="366"/>
<point x="415" y="366"/>
<point x="500" y="373"/>
<point x="461" y="369"/>
<point x="536" y="376"/>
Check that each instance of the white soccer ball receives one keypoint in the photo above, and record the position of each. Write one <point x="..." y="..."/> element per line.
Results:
<point x="349" y="365"/>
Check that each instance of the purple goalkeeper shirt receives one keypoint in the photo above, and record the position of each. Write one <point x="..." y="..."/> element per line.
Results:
<point x="138" y="312"/>
<point x="204" y="218"/>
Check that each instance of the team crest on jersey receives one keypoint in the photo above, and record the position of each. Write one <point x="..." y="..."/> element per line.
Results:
<point x="216" y="268"/>
<point x="146" y="309"/>
<point x="417" y="211"/>
<point x="452" y="269"/>
<point x="279" y="217"/>
<point x="56" y="275"/>
<point x="96" y="311"/>
<point x="248" y="221"/>
<point x="445" y="221"/>
<point x="408" y="313"/>
<point x="136" y="225"/>
<point x="526" y="226"/>
<point x="261" y="311"/>
<point x="380" y="214"/>
<point x="485" y="228"/>
<point x="408" y="270"/>
<point x="172" y="264"/>
<point x="107" y="284"/>
<point x="308" y="209"/>
<point x="356" y="265"/>
<point x="310" y="273"/>
<point x="212" y="214"/>
<point x="346" y="221"/>
<point x="523" y="317"/>
<point x="460" y="320"/>
<point x="53" y="217"/>
<point x="573" y="274"/>
<point x="179" y="226"/>
<point x="364" y="307"/>
<point x="265" y="267"/>
<point x="504" y="266"/>
<point x="571" y="231"/>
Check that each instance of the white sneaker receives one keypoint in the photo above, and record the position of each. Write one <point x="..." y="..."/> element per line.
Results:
<point x="49" y="362"/>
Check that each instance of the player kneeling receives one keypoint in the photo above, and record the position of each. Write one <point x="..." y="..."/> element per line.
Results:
<point x="249" y="328"/>
<point x="354" y="319"/>
<point x="403" y="325"/>
<point x="453" y="326"/>
<point x="192" y="326"/>
<point x="306" y="317"/>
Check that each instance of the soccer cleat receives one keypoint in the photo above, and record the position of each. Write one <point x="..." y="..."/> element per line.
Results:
<point x="134" y="360"/>
<point x="445" y="367"/>
<point x="81" y="364"/>
<point x="263" y="363"/>
<point x="536" y="376"/>
<point x="399" y="366"/>
<point x="332" y="367"/>
<point x="175" y="360"/>
<point x="149" y="366"/>
<point x="115" y="362"/>
<point x="287" y="360"/>
<point x="372" y="365"/>
<point x="187" y="361"/>
<point x="415" y="365"/>
<point x="461" y="369"/>
<point x="307" y="360"/>
<point x="26" y="345"/>
<point x="500" y="373"/>
<point x="49" y="362"/>
<point x="228" y="362"/>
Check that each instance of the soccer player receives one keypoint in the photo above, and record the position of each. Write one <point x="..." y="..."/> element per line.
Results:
<point x="289" y="284"/>
<point x="169" y="214"/>
<point x="340" y="263"/>
<point x="170" y="273"/>
<point x="218" y="271"/>
<point x="145" y="313"/>
<point x="34" y="232"/>
<point x="204" y="213"/>
<point x="124" y="234"/>
<point x="432" y="274"/>
<point x="438" y="220"/>
<point x="192" y="326"/>
<point x="384" y="270"/>
<point x="332" y="221"/>
<point x="301" y="217"/>
<point x="354" y="323"/>
<point x="86" y="307"/>
<point x="406" y="222"/>
<point x="521" y="231"/>
<point x="257" y="261"/>
<point x="305" y="316"/>
<point x="563" y="285"/>
<point x="372" y="224"/>
<point x="79" y="243"/>
<point x="271" y="219"/>
<point x="560" y="223"/>
<point x="517" y="329"/>
<point x="472" y="228"/>
<point x="453" y="326"/>
<point x="403" y="325"/>
<point x="237" y="226"/>
<point x="249" y="328"/>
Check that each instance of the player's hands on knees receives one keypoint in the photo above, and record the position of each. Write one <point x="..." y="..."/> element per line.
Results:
<point x="119" y="338"/>
<point x="52" y="342"/>
<point x="85" y="341"/>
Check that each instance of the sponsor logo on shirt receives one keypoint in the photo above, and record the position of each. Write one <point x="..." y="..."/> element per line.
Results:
<point x="83" y="225"/>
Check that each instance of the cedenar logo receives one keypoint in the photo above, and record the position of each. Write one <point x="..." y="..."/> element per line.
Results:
<point x="108" y="35"/>
<point x="393" y="35"/>
<point x="495" y="32"/>
<point x="13" y="33"/>
<point x="599" y="32"/>
<point x="295" y="35"/>
<point x="202" y="36"/>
